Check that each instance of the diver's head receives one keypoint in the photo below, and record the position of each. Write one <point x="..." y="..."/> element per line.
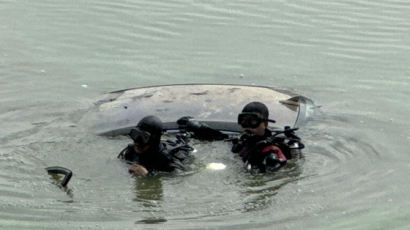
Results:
<point x="147" y="133"/>
<point x="254" y="118"/>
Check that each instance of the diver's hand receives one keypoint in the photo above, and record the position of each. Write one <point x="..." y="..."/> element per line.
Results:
<point x="137" y="169"/>
<point x="183" y="122"/>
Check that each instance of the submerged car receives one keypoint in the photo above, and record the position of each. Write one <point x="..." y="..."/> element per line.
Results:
<point x="216" y="105"/>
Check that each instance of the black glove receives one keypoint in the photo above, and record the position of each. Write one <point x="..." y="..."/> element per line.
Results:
<point x="201" y="130"/>
<point x="183" y="121"/>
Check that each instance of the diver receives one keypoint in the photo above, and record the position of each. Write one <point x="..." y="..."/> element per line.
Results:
<point x="148" y="153"/>
<point x="259" y="148"/>
<point x="254" y="146"/>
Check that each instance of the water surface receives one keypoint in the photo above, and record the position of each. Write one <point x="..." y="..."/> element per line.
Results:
<point x="350" y="57"/>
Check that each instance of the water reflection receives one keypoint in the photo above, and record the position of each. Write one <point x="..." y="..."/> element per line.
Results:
<point x="151" y="221"/>
<point x="149" y="194"/>
<point x="148" y="191"/>
<point x="260" y="188"/>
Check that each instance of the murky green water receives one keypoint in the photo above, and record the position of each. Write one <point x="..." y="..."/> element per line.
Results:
<point x="350" y="57"/>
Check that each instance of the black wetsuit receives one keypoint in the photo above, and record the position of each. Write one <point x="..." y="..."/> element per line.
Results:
<point x="158" y="157"/>
<point x="254" y="151"/>
<point x="247" y="144"/>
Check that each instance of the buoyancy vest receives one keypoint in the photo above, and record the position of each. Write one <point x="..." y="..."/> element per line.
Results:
<point x="166" y="156"/>
<point x="257" y="154"/>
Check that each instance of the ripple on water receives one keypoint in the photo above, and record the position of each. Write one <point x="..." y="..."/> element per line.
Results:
<point x="337" y="164"/>
<point x="350" y="30"/>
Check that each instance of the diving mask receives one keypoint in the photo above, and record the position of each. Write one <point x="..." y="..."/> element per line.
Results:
<point x="140" y="137"/>
<point x="251" y="119"/>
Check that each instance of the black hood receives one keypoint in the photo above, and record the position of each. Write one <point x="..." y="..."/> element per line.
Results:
<point x="257" y="107"/>
<point x="152" y="125"/>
